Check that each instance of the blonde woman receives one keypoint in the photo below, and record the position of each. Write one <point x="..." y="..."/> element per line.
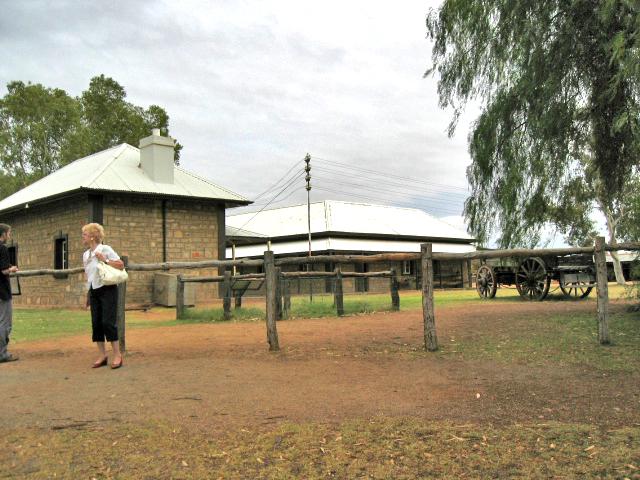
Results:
<point x="103" y="299"/>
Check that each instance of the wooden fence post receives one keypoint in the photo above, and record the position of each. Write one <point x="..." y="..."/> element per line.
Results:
<point x="428" y="313"/>
<point x="226" y="290"/>
<point x="271" y="278"/>
<point x="238" y="300"/>
<point x="603" y="291"/>
<point x="122" y="303"/>
<point x="278" y="293"/>
<point x="339" y="298"/>
<point x="286" y="294"/>
<point x="179" y="297"/>
<point x="395" y="295"/>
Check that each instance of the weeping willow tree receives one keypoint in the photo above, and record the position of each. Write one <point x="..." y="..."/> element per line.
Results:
<point x="558" y="82"/>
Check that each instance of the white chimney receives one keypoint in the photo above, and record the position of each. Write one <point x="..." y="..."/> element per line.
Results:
<point x="157" y="156"/>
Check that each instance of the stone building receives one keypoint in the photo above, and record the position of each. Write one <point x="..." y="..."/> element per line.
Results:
<point x="152" y="211"/>
<point x="351" y="228"/>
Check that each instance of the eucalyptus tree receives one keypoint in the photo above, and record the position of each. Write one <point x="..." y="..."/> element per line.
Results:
<point x="43" y="129"/>
<point x="37" y="125"/>
<point x="558" y="82"/>
<point x="109" y="119"/>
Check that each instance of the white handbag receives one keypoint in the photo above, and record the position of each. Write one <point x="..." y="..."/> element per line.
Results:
<point x="111" y="276"/>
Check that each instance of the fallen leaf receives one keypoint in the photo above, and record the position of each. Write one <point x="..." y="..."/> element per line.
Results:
<point x="589" y="448"/>
<point x="184" y="464"/>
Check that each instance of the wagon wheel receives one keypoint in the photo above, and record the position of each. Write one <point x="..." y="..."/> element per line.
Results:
<point x="532" y="280"/>
<point x="581" y="290"/>
<point x="486" y="284"/>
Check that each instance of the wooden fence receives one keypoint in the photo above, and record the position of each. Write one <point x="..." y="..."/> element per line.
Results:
<point x="283" y="295"/>
<point x="426" y="257"/>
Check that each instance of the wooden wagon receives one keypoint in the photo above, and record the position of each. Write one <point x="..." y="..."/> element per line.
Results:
<point x="532" y="276"/>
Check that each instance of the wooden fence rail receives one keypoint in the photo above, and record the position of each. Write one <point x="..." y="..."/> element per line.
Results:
<point x="283" y="292"/>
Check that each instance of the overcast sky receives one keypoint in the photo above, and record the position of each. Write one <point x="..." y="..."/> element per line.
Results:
<point x="252" y="86"/>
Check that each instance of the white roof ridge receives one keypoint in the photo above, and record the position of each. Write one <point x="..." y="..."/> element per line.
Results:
<point x="343" y="202"/>
<point x="187" y="172"/>
<point x="120" y="148"/>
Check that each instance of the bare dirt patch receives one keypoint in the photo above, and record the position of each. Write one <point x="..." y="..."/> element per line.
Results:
<point x="222" y="376"/>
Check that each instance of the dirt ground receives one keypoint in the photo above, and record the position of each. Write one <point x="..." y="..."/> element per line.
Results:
<point x="222" y="376"/>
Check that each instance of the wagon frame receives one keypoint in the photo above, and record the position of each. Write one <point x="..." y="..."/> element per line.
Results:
<point x="532" y="276"/>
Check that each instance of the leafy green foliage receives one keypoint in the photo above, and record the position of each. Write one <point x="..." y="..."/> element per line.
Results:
<point x="111" y="120"/>
<point x="43" y="129"/>
<point x="559" y="83"/>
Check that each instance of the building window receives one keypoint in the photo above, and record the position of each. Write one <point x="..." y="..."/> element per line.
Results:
<point x="361" y="283"/>
<point x="61" y="253"/>
<point x="95" y="209"/>
<point x="13" y="255"/>
<point x="408" y="267"/>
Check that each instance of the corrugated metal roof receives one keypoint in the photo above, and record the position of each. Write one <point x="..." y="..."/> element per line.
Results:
<point x="117" y="169"/>
<point x="356" y="218"/>
<point x="241" y="233"/>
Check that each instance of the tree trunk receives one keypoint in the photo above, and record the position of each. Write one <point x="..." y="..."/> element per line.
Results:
<point x="617" y="266"/>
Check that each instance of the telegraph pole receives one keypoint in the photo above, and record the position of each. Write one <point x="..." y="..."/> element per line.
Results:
<point x="307" y="169"/>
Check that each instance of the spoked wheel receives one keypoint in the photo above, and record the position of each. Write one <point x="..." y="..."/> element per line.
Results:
<point x="532" y="280"/>
<point x="576" y="290"/>
<point x="486" y="285"/>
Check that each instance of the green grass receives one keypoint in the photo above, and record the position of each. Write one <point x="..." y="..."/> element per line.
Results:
<point x="201" y="315"/>
<point x="322" y="305"/>
<point x="377" y="448"/>
<point x="561" y="340"/>
<point x="38" y="324"/>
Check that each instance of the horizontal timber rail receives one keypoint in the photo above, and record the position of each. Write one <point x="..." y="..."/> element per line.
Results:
<point x="333" y="274"/>
<point x="47" y="271"/>
<point x="623" y="246"/>
<point x="382" y="257"/>
<point x="221" y="278"/>
<point x="145" y="267"/>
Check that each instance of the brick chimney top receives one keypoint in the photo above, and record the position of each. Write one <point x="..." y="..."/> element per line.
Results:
<point x="157" y="157"/>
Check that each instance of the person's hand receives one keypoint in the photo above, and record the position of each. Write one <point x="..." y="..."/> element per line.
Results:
<point x="13" y="269"/>
<point x="101" y="257"/>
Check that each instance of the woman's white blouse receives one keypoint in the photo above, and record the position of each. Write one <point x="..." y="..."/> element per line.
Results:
<point x="90" y="262"/>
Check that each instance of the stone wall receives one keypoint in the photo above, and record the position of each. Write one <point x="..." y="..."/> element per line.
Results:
<point x="133" y="227"/>
<point x="34" y="231"/>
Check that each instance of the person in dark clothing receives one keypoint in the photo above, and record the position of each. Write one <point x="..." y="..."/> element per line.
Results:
<point x="6" y="309"/>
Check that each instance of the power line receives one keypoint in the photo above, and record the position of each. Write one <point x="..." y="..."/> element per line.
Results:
<point x="424" y="204"/>
<point x="387" y="174"/>
<point x="270" y="201"/>
<point x="275" y="185"/>
<point x="387" y="182"/>
<point x="376" y="189"/>
<point x="273" y="203"/>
